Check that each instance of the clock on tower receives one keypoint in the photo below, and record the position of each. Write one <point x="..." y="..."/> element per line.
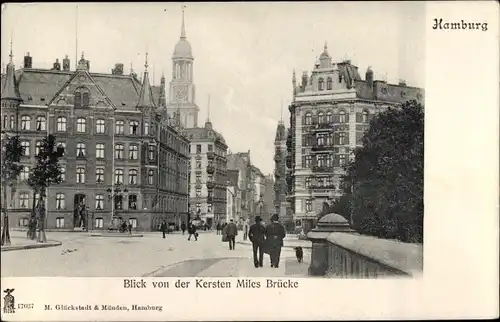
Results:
<point x="181" y="93"/>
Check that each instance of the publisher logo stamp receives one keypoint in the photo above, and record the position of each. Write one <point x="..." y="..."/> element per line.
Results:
<point x="9" y="301"/>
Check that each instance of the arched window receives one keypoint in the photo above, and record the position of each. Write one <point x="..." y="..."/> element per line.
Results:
<point x="329" y="117"/>
<point x="151" y="176"/>
<point x="342" y="138"/>
<point x="132" y="202"/>
<point x="61" y="124"/>
<point x="151" y="152"/>
<point x="118" y="176"/>
<point x="134" y="125"/>
<point x="99" y="175"/>
<point x="99" y="202"/>
<point x="132" y="176"/>
<point x="133" y="151"/>
<point x="99" y="151"/>
<point x="25" y="123"/>
<point x="38" y="146"/>
<point x="80" y="175"/>
<point x="24" y="174"/>
<point x="329" y="83"/>
<point x="81" y="125"/>
<point x="41" y="123"/>
<point x="82" y="97"/>
<point x="146" y="128"/>
<point x="365" y="116"/>
<point x="85" y="99"/>
<point x="321" y="117"/>
<point x="119" y="125"/>
<point x="100" y="127"/>
<point x="80" y="150"/>
<point x="342" y="117"/>
<point x="78" y="99"/>
<point x="321" y="84"/>
<point x="308" y="118"/>
<point x="26" y="148"/>
<point x="119" y="151"/>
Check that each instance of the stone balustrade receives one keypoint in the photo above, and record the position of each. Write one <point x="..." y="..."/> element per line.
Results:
<point x="340" y="252"/>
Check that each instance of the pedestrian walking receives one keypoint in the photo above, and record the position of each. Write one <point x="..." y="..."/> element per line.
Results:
<point x="231" y="230"/>
<point x="192" y="231"/>
<point x="130" y="228"/>
<point x="257" y="235"/>
<point x="183" y="227"/>
<point x="163" y="227"/>
<point x="274" y="240"/>
<point x="218" y="227"/>
<point x="245" y="229"/>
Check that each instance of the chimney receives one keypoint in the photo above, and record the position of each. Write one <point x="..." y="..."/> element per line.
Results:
<point x="118" y="70"/>
<point x="57" y="65"/>
<point x="402" y="82"/>
<point x="88" y="65"/>
<point x="66" y="64"/>
<point x="28" y="61"/>
<point x="369" y="76"/>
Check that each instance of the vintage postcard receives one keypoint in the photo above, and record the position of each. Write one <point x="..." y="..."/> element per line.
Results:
<point x="247" y="161"/>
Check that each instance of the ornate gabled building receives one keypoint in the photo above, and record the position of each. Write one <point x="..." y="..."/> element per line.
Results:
<point x="122" y="159"/>
<point x="329" y="114"/>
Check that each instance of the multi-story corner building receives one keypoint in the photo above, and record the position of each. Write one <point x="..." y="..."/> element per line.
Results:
<point x="280" y="170"/>
<point x="208" y="173"/>
<point x="329" y="114"/>
<point x="241" y="162"/>
<point x="122" y="158"/>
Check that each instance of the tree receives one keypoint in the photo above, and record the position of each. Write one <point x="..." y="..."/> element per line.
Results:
<point x="385" y="180"/>
<point x="11" y="168"/>
<point x="46" y="172"/>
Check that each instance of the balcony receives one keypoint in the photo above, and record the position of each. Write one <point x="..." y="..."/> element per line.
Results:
<point x="322" y="147"/>
<point x="321" y="127"/>
<point x="210" y="184"/>
<point x="210" y="155"/>
<point x="322" y="169"/>
<point x="210" y="169"/>
<point x="322" y="187"/>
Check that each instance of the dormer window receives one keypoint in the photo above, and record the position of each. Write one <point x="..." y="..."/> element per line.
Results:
<point x="329" y="83"/>
<point x="82" y="97"/>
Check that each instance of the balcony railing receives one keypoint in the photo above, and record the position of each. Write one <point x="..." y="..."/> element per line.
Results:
<point x="210" y="184"/>
<point x="210" y="169"/>
<point x="210" y="155"/>
<point x="319" y="187"/>
<point x="321" y="127"/>
<point x="317" y="168"/>
<point x="322" y="147"/>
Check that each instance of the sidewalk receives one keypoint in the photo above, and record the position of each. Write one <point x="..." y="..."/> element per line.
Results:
<point x="22" y="243"/>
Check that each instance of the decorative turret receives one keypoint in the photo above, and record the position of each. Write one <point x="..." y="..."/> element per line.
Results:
<point x="162" y="100"/>
<point x="325" y="61"/>
<point x="10" y="90"/>
<point x="183" y="47"/>
<point x="83" y="64"/>
<point x="66" y="64"/>
<point x="146" y="95"/>
<point x="294" y="83"/>
<point x="369" y="76"/>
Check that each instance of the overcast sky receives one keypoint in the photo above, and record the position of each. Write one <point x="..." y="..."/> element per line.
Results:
<point x="244" y="52"/>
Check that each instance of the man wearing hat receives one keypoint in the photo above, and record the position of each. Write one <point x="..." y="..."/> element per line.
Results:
<point x="257" y="235"/>
<point x="274" y="239"/>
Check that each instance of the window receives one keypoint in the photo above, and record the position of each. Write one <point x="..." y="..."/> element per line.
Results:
<point x="151" y="152"/>
<point x="133" y="151"/>
<point x="308" y="205"/>
<point x="342" y="138"/>
<point x="99" y="151"/>
<point x="23" y="200"/>
<point x="150" y="176"/>
<point x="119" y="202"/>
<point x="118" y="176"/>
<point x="62" y="145"/>
<point x="82" y="97"/>
<point x="119" y="151"/>
<point x="61" y="124"/>
<point x="210" y="148"/>
<point x="24" y="174"/>
<point x="100" y="127"/>
<point x="198" y="164"/>
<point x="60" y="222"/>
<point x="25" y="123"/>
<point x="209" y="208"/>
<point x="80" y="150"/>
<point x="99" y="175"/>
<point x="320" y="140"/>
<point x="320" y="160"/>
<point x="329" y="83"/>
<point x="119" y="125"/>
<point x="133" y="222"/>
<point x="81" y="125"/>
<point x="342" y="117"/>
<point x="342" y="160"/>
<point x="38" y="146"/>
<point x="321" y="84"/>
<point x="321" y="117"/>
<point x="12" y="123"/>
<point x="308" y="118"/>
<point x="41" y="123"/>
<point x="198" y="148"/>
<point x="365" y="116"/>
<point x="198" y="192"/>
<point x="26" y="148"/>
<point x="80" y="175"/>
<point x="146" y="128"/>
<point x="24" y="222"/>
<point x="210" y="177"/>
<point x="134" y="125"/>
<point x="329" y="117"/>
<point x="132" y="176"/>
<point x="60" y="201"/>
<point x="63" y="173"/>
<point x="99" y="202"/>
<point x="5" y="118"/>
<point x="308" y="160"/>
<point x="308" y="182"/>
<point x="78" y="99"/>
<point x="99" y="223"/>
<point x="132" y="202"/>
<point x="85" y="99"/>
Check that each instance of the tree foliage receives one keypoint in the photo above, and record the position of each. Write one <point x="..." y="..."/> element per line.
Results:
<point x="11" y="168"/>
<point x="387" y="175"/>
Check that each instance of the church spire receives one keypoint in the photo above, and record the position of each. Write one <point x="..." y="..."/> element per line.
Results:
<point x="162" y="100"/>
<point x="208" y="108"/>
<point x="146" y="95"/>
<point x="10" y="91"/>
<point x="183" y="27"/>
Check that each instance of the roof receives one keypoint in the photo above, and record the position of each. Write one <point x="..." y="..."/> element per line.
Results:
<point x="38" y="86"/>
<point x="203" y="133"/>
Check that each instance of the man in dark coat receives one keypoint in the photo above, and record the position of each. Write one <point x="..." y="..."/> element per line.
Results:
<point x="183" y="228"/>
<point x="257" y="235"/>
<point x="192" y="231"/>
<point x="231" y="230"/>
<point x="163" y="227"/>
<point x="274" y="240"/>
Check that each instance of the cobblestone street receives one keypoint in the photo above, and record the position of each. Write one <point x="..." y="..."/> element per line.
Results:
<point x="83" y="256"/>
